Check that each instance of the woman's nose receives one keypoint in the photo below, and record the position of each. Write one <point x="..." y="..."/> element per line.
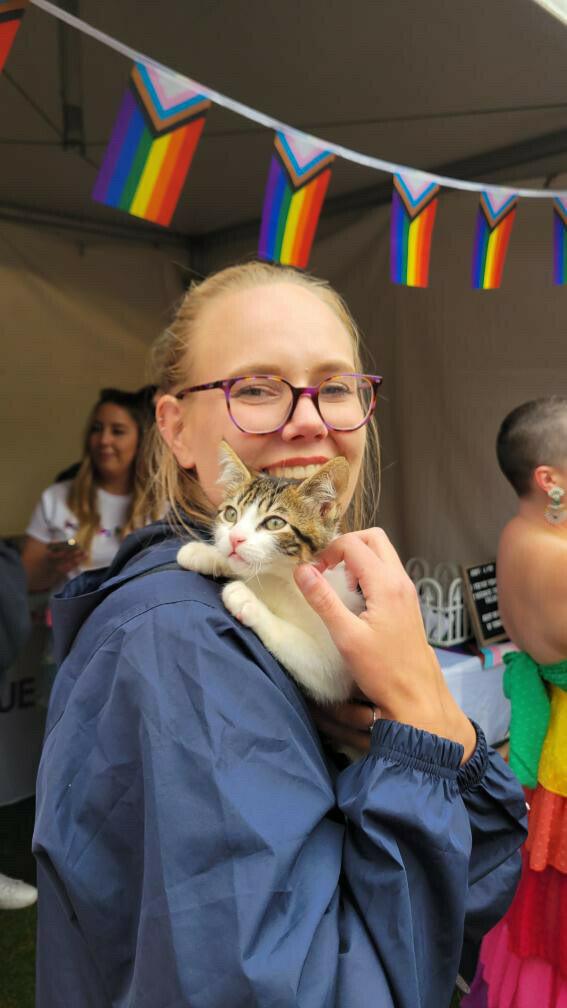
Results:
<point x="304" y="421"/>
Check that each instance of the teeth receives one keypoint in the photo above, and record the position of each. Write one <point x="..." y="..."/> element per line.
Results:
<point x="294" y="472"/>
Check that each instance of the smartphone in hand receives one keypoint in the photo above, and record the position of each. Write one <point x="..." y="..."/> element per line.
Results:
<point x="63" y="546"/>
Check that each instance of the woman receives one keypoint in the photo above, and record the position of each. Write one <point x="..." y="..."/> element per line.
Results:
<point x="78" y="523"/>
<point x="523" y="961"/>
<point x="194" y="847"/>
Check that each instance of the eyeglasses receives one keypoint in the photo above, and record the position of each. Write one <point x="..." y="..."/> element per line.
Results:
<point x="263" y="404"/>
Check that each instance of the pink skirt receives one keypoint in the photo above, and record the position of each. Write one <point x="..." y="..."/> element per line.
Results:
<point x="523" y="960"/>
<point x="508" y="981"/>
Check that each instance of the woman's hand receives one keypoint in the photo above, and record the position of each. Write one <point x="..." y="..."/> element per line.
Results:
<point x="47" y="564"/>
<point x="385" y="647"/>
<point x="345" y="724"/>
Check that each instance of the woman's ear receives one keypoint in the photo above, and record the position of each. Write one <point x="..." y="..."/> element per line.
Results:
<point x="545" y="477"/>
<point x="170" y="422"/>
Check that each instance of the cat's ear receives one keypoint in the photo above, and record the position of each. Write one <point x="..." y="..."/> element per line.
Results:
<point x="327" y="485"/>
<point x="232" y="471"/>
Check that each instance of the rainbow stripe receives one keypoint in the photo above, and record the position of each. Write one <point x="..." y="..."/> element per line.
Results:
<point x="493" y="654"/>
<point x="11" y="13"/>
<point x="298" y="179"/>
<point x="152" y="145"/>
<point x="560" y="240"/>
<point x="414" y="205"/>
<point x="494" y="222"/>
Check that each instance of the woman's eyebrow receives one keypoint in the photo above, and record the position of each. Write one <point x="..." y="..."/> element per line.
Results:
<point x="327" y="369"/>
<point x="335" y="367"/>
<point x="255" y="369"/>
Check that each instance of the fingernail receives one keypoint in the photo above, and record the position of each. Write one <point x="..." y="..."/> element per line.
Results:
<point x="306" y="576"/>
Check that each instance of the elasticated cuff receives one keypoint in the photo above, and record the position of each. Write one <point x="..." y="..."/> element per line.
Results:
<point x="472" y="772"/>
<point x="412" y="747"/>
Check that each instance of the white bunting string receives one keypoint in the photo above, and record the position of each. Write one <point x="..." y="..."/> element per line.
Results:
<point x="274" y="124"/>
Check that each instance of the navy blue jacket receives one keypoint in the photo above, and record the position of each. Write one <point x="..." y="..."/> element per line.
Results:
<point x="195" y="848"/>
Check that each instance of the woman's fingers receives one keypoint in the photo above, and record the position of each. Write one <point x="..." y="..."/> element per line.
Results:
<point x="342" y="736"/>
<point x="356" y="716"/>
<point x="369" y="559"/>
<point x="360" y="560"/>
<point x="346" y="723"/>
<point x="69" y="561"/>
<point x="341" y="623"/>
<point x="375" y="539"/>
<point x="372" y="562"/>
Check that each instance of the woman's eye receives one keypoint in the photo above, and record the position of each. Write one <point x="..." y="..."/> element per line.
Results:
<point x="272" y="524"/>
<point x="256" y="392"/>
<point x="335" y="391"/>
<point x="230" y="515"/>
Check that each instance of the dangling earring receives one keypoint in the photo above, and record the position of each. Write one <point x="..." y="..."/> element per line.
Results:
<point x="555" y="513"/>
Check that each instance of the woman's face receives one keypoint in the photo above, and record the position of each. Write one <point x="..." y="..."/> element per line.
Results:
<point x="112" y="441"/>
<point x="281" y="329"/>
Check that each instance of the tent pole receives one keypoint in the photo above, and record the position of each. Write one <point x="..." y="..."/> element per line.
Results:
<point x="70" y="78"/>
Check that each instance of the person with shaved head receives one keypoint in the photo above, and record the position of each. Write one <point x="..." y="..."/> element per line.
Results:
<point x="522" y="960"/>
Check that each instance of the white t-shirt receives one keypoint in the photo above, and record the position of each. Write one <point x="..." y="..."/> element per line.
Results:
<point x="52" y="521"/>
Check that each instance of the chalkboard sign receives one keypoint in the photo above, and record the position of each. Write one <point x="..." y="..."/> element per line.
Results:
<point x="481" y="595"/>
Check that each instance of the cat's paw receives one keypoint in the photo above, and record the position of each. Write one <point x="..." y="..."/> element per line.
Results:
<point x="243" y="603"/>
<point x="201" y="557"/>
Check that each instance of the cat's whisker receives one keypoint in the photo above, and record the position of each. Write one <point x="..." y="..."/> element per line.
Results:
<point x="257" y="570"/>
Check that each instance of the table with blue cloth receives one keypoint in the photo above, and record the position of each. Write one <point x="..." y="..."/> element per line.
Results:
<point x="478" y="691"/>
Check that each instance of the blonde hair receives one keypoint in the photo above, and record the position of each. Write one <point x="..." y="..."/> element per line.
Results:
<point x="177" y="489"/>
<point x="82" y="497"/>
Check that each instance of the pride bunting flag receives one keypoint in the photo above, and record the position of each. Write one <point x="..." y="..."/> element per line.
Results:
<point x="152" y="145"/>
<point x="414" y="204"/>
<point x="11" y="13"/>
<point x="560" y="240"/>
<point x="297" y="182"/>
<point x="494" y="222"/>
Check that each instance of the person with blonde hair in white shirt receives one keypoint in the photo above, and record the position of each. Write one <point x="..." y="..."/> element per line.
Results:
<point x="79" y="523"/>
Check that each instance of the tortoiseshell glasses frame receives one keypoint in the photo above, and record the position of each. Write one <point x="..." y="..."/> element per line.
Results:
<point x="370" y="386"/>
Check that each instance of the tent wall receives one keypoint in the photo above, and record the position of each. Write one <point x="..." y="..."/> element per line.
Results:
<point x="455" y="361"/>
<point x="80" y="316"/>
<point x="76" y="316"/>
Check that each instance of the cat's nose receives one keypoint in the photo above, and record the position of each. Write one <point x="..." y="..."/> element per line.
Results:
<point x="236" y="539"/>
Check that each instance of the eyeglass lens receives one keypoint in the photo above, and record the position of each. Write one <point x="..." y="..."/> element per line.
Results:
<point x="262" y="404"/>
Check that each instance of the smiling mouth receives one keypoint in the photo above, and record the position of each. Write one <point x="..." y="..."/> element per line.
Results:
<point x="295" y="468"/>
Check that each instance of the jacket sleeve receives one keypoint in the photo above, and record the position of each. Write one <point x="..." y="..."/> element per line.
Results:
<point x="497" y="811"/>
<point x="190" y="836"/>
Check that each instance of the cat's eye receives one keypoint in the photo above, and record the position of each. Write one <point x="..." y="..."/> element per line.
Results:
<point x="230" y="515"/>
<point x="272" y="524"/>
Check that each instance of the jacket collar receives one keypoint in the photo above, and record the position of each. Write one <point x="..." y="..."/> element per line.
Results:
<point x="140" y="553"/>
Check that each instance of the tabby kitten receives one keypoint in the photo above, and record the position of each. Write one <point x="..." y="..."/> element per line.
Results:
<point x="264" y="527"/>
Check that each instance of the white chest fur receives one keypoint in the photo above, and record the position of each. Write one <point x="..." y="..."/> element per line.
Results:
<point x="275" y="609"/>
